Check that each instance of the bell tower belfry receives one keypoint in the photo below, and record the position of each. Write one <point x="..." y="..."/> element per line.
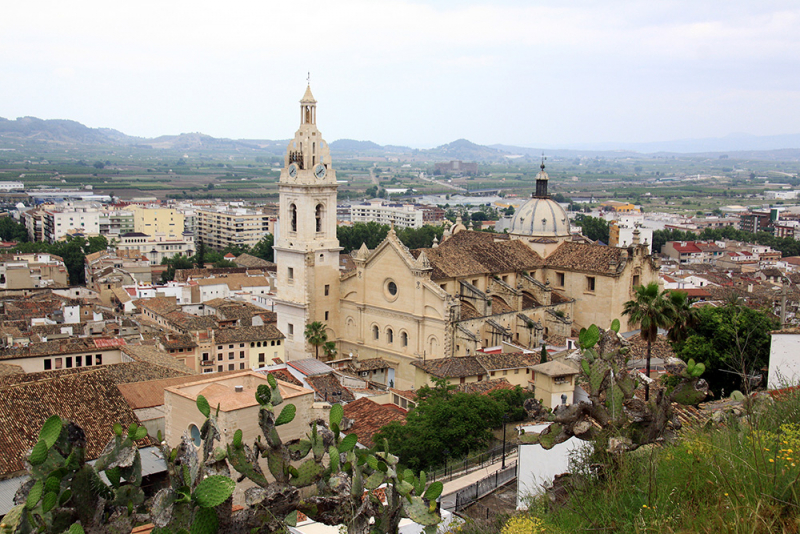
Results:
<point x="306" y="248"/>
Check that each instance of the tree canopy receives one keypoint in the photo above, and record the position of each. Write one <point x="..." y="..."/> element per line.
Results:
<point x="729" y="340"/>
<point x="594" y="228"/>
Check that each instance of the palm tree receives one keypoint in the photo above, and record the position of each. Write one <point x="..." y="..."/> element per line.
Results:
<point x="651" y="309"/>
<point x="329" y="348"/>
<point x="684" y="316"/>
<point x="315" y="335"/>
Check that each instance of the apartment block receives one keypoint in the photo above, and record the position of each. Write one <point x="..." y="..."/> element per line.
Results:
<point x="400" y="215"/>
<point x="223" y="227"/>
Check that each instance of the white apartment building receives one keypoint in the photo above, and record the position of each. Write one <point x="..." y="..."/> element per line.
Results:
<point x="58" y="224"/>
<point x="158" y="246"/>
<point x="225" y="226"/>
<point x="400" y="215"/>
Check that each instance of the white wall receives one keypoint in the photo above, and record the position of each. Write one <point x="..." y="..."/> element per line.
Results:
<point x="538" y="466"/>
<point x="784" y="360"/>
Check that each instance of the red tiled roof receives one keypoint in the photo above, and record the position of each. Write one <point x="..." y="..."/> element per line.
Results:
<point x="368" y="418"/>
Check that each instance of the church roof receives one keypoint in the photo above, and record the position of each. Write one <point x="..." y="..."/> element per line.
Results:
<point x="308" y="97"/>
<point x="472" y="253"/>
<point x="583" y="257"/>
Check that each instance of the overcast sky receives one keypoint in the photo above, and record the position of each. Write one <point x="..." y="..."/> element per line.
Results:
<point x="414" y="73"/>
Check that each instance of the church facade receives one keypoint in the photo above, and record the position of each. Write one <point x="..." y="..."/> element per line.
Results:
<point x="473" y="290"/>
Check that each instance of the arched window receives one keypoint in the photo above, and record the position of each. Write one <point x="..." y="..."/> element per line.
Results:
<point x="318" y="216"/>
<point x="403" y="339"/>
<point x="376" y="334"/>
<point x="293" y="216"/>
<point x="390" y="336"/>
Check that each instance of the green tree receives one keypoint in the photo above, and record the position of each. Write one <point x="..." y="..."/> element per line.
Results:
<point x="11" y="230"/>
<point x="543" y="356"/>
<point x="200" y="254"/>
<point x="173" y="264"/>
<point x="683" y="316"/>
<point x="732" y="341"/>
<point x="316" y="336"/>
<point x="651" y="309"/>
<point x="594" y="228"/>
<point x="263" y="249"/>
<point x="444" y="424"/>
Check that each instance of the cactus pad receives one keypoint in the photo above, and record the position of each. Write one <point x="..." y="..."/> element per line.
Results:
<point x="287" y="415"/>
<point x="213" y="491"/>
<point x="307" y="473"/>
<point x="420" y="513"/>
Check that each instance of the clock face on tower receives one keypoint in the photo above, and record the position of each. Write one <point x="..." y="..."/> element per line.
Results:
<point x="319" y="171"/>
<point x="293" y="170"/>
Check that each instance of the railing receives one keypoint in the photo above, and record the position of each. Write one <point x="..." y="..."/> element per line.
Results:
<point x="206" y="363"/>
<point x="460" y="467"/>
<point x="469" y="495"/>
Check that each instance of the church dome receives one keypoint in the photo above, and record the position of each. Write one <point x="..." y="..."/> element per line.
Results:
<point x="540" y="217"/>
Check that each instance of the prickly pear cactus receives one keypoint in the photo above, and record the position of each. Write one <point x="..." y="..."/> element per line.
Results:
<point x="613" y="411"/>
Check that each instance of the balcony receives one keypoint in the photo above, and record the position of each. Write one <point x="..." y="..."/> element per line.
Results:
<point x="206" y="363"/>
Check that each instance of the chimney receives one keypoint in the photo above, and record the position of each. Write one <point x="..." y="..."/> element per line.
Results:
<point x="238" y="389"/>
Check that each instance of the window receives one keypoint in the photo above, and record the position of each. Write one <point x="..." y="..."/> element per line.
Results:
<point x="403" y="339"/>
<point x="59" y="364"/>
<point x="463" y="380"/>
<point x="78" y="361"/>
<point x="291" y="329"/>
<point x="219" y="368"/>
<point x="230" y="346"/>
<point x="327" y="289"/>
<point x="326" y="316"/>
<point x="261" y="358"/>
<point x="390" y="336"/>
<point x="231" y="367"/>
<point x="318" y="216"/>
<point x="392" y="288"/>
<point x="560" y="279"/>
<point x="48" y="364"/>
<point x="194" y="432"/>
<point x="88" y="359"/>
<point x="278" y="342"/>
<point x="293" y="216"/>
<point x="219" y="357"/>
<point x="375" y="333"/>
<point x="241" y="345"/>
<point x="205" y="356"/>
<point x="505" y="372"/>
<point x="219" y="347"/>
<point x="291" y="273"/>
<point x="98" y="359"/>
<point x="241" y="354"/>
<point x="636" y="282"/>
<point x="492" y="373"/>
<point x="69" y="361"/>
<point x="230" y="355"/>
<point x="590" y="283"/>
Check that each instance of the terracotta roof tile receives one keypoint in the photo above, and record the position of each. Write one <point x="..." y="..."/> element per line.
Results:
<point x="455" y="367"/>
<point x="90" y="399"/>
<point x="583" y="257"/>
<point x="473" y="253"/>
<point x="328" y="388"/>
<point x="247" y="333"/>
<point x="368" y="418"/>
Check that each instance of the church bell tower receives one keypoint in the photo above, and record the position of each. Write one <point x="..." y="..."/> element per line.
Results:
<point x="306" y="248"/>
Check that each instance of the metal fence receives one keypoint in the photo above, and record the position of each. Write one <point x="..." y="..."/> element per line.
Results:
<point x="457" y="468"/>
<point x="473" y="492"/>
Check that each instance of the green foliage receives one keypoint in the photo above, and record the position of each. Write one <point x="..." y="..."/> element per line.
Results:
<point x="595" y="228"/>
<point x="728" y="340"/>
<point x="443" y="424"/>
<point x="511" y="402"/>
<point x="737" y="477"/>
<point x="371" y="233"/>
<point x="316" y="336"/>
<point x="213" y="491"/>
<point x="263" y="249"/>
<point x="11" y="230"/>
<point x="73" y="251"/>
<point x="174" y="263"/>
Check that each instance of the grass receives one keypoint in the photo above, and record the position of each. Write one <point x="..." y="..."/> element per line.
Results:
<point x="740" y="476"/>
<point x="737" y="477"/>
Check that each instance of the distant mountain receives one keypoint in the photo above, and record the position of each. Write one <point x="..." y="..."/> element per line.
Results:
<point x="462" y="149"/>
<point x="71" y="133"/>
<point x="60" y="132"/>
